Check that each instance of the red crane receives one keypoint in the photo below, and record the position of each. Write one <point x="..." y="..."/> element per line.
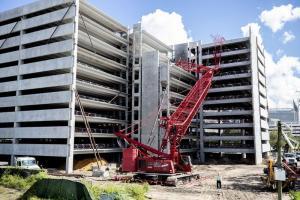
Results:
<point x="143" y="158"/>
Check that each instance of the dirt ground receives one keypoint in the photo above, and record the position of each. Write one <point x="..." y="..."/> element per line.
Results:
<point x="239" y="182"/>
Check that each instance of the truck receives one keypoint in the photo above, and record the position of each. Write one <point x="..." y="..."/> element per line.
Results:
<point x="26" y="163"/>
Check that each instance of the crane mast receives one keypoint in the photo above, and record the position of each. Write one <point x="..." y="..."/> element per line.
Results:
<point x="149" y="159"/>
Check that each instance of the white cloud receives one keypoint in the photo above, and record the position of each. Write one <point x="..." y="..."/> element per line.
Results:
<point x="282" y="82"/>
<point x="168" y="27"/>
<point x="255" y="29"/>
<point x="288" y="36"/>
<point x="279" y="52"/>
<point x="278" y="16"/>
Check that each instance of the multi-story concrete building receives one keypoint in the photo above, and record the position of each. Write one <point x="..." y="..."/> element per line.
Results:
<point x="233" y="118"/>
<point x="49" y="50"/>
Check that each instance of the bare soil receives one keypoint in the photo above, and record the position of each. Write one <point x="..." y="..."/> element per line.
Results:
<point x="239" y="182"/>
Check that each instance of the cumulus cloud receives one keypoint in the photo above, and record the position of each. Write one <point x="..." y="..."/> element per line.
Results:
<point x="278" y="16"/>
<point x="287" y="37"/>
<point x="282" y="81"/>
<point x="168" y="27"/>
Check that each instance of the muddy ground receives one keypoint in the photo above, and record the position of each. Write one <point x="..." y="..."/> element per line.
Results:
<point x="239" y="182"/>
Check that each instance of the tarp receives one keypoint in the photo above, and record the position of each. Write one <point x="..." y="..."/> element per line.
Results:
<point x="58" y="189"/>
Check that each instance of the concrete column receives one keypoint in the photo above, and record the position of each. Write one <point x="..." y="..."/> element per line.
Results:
<point x="18" y="92"/>
<point x="202" y="154"/>
<point x="70" y="157"/>
<point x="255" y="99"/>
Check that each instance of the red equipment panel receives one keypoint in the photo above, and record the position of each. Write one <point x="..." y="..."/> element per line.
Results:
<point x="129" y="160"/>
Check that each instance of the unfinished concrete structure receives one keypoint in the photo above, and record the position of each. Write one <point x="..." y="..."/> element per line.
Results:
<point x="234" y="116"/>
<point x="48" y="50"/>
<point x="51" y="49"/>
<point x="158" y="88"/>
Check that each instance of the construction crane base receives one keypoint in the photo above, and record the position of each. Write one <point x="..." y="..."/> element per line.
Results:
<point x="165" y="179"/>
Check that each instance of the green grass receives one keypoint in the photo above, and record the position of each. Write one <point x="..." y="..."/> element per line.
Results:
<point x="295" y="195"/>
<point x="20" y="183"/>
<point x="118" y="191"/>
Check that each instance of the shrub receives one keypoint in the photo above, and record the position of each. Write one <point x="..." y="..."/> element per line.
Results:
<point x="20" y="183"/>
<point x="118" y="191"/>
<point x="295" y="195"/>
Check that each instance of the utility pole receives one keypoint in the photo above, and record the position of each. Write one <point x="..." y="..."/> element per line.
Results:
<point x="279" y="159"/>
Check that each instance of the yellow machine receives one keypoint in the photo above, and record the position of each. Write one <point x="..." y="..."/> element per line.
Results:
<point x="269" y="177"/>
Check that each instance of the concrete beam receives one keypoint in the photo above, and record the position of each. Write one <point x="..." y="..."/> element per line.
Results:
<point x="244" y="39"/>
<point x="90" y="151"/>
<point x="179" y="84"/>
<point x="216" y="126"/>
<point x="230" y="77"/>
<point x="98" y="74"/>
<point x="228" y="150"/>
<point x="227" y="138"/>
<point x="88" y="103"/>
<point x="229" y="53"/>
<point x="100" y="120"/>
<point x="100" y="17"/>
<point x="235" y="64"/>
<point x="91" y="58"/>
<point x="227" y="101"/>
<point x="96" y="89"/>
<point x="228" y="113"/>
<point x="229" y="89"/>
<point x="96" y="135"/>
<point x="99" y="46"/>
<point x="99" y="31"/>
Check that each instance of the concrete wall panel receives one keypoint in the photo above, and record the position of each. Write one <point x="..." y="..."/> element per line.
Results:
<point x="57" y="150"/>
<point x="44" y="115"/>
<point x="30" y="8"/>
<point x="7" y="117"/>
<point x="49" y="81"/>
<point x="44" y="98"/>
<point x="48" y="65"/>
<point x="53" y="48"/>
<point x="6" y="149"/>
<point x="8" y="71"/>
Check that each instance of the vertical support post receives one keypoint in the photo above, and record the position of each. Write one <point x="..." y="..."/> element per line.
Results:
<point x="279" y="159"/>
<point x="71" y="124"/>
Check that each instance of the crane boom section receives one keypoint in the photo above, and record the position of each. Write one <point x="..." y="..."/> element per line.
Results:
<point x="181" y="119"/>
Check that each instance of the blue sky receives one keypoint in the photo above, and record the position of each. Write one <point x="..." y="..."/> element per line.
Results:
<point x="226" y="17"/>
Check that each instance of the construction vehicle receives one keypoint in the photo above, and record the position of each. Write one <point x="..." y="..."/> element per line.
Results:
<point x="292" y="144"/>
<point x="292" y="175"/>
<point x="167" y="166"/>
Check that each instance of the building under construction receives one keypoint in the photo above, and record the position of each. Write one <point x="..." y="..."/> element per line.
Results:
<point x="50" y="50"/>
